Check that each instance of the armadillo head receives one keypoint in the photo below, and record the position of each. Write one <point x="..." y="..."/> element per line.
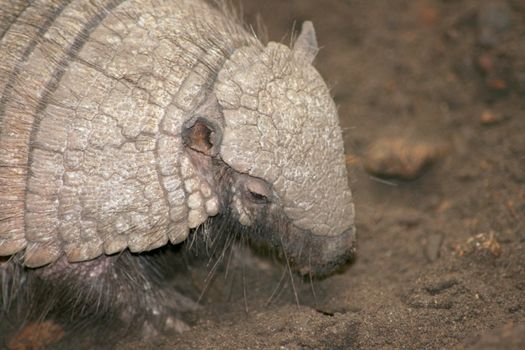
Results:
<point x="279" y="132"/>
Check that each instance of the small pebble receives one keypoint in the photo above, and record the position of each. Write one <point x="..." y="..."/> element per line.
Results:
<point x="486" y="62"/>
<point x="482" y="243"/>
<point x="489" y="117"/>
<point x="401" y="158"/>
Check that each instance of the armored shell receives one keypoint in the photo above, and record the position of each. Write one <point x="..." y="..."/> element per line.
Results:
<point x="114" y="112"/>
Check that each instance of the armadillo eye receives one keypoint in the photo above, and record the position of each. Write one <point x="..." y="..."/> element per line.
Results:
<point x="257" y="190"/>
<point x="258" y="198"/>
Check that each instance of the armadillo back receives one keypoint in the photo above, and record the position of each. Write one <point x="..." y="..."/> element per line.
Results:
<point x="93" y="94"/>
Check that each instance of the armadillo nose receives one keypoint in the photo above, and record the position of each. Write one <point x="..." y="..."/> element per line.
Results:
<point x="338" y="252"/>
<point x="328" y="254"/>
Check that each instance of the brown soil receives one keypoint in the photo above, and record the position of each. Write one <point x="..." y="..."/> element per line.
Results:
<point x="441" y="259"/>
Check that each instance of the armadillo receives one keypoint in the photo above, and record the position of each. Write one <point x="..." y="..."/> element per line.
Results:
<point x="127" y="125"/>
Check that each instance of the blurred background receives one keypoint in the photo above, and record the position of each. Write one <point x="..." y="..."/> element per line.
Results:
<point x="431" y="96"/>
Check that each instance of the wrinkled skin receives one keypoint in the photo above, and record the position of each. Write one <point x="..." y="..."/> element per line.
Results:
<point x="138" y="122"/>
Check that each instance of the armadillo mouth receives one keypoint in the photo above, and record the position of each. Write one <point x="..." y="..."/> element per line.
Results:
<point x="317" y="255"/>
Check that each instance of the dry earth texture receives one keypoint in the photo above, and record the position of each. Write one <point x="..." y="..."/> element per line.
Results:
<point x="434" y="85"/>
<point x="431" y="95"/>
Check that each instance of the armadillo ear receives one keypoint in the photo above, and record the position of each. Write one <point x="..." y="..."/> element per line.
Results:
<point x="306" y="43"/>
<point x="202" y="135"/>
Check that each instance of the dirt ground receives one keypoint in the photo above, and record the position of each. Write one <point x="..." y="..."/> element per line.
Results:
<point x="431" y="84"/>
<point x="441" y="259"/>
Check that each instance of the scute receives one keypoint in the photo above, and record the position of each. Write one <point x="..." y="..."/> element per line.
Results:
<point x="298" y="148"/>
